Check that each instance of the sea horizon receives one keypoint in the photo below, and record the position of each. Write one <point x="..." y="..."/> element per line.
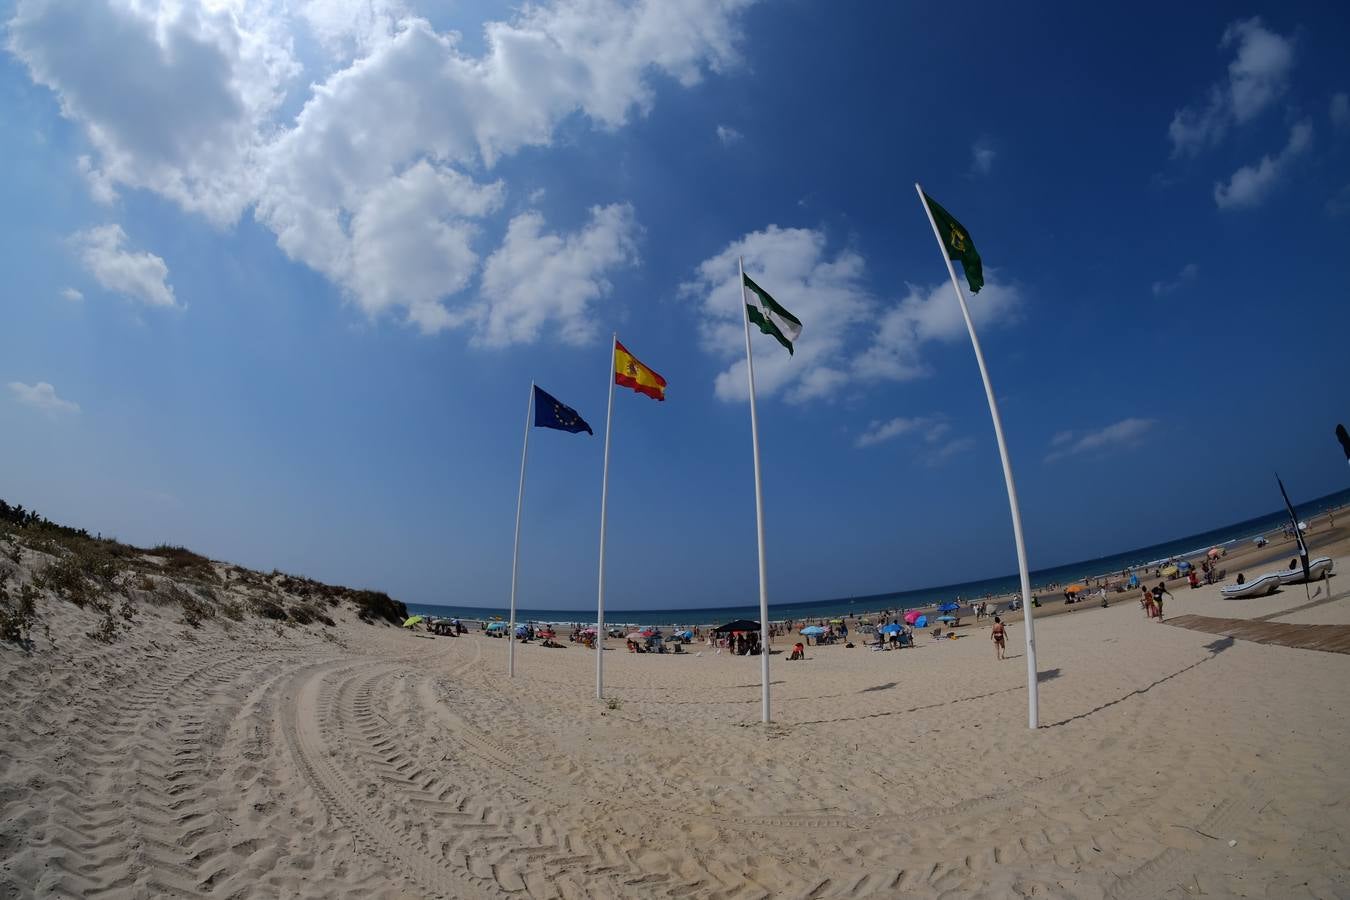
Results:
<point x="915" y="598"/>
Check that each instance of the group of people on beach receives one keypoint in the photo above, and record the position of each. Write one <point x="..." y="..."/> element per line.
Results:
<point x="1151" y="600"/>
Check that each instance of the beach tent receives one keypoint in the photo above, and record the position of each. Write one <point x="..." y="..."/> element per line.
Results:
<point x="1134" y="580"/>
<point x="1168" y="572"/>
<point x="494" y="626"/>
<point x="1183" y="566"/>
<point x="921" y="622"/>
<point x="911" y="616"/>
<point x="738" y="625"/>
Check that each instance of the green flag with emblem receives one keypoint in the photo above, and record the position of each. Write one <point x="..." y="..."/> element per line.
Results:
<point x="959" y="245"/>
<point x="770" y="317"/>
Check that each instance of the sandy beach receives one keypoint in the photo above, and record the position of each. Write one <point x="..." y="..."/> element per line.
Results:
<point x="261" y="759"/>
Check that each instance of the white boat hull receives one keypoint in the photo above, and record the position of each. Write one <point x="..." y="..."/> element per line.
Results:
<point x="1257" y="587"/>
<point x="1317" y="570"/>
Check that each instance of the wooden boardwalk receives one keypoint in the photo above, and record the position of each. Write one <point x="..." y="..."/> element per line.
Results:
<point x="1329" y="638"/>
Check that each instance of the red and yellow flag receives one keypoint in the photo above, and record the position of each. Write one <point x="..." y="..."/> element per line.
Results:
<point x="630" y="373"/>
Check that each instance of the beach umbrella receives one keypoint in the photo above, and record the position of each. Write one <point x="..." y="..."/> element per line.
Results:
<point x="686" y="634"/>
<point x="1075" y="588"/>
<point x="738" y="625"/>
<point x="1169" y="571"/>
<point x="412" y="620"/>
<point x="650" y="632"/>
<point x="836" y="621"/>
<point x="921" y="622"/>
<point x="1215" y="553"/>
<point x="911" y="616"/>
<point x="1183" y="566"/>
<point x="891" y="628"/>
<point x="590" y="630"/>
<point x="946" y="619"/>
<point x="812" y="630"/>
<point x="494" y="626"/>
<point x="948" y="607"/>
<point x="636" y="636"/>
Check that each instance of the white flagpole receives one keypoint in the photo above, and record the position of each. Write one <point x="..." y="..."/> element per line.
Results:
<point x="1033" y="705"/>
<point x="604" y="506"/>
<point x="515" y="554"/>
<point x="759" y="509"/>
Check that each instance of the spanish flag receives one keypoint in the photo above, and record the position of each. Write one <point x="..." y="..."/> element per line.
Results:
<point x="630" y="373"/>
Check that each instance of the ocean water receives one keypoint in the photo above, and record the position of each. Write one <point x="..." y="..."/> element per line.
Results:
<point x="1190" y="546"/>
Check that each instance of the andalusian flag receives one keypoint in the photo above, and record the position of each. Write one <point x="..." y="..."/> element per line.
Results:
<point x="771" y="318"/>
<point x="630" y="373"/>
<point x="958" y="244"/>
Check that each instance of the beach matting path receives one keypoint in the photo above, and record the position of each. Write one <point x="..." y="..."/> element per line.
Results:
<point x="363" y="761"/>
<point x="1328" y="638"/>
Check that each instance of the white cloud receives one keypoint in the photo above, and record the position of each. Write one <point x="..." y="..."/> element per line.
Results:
<point x="538" y="283"/>
<point x="1340" y="110"/>
<point x="1257" y="77"/>
<point x="728" y="135"/>
<point x="1187" y="274"/>
<point x="1125" y="433"/>
<point x="42" y="396"/>
<point x="932" y="429"/>
<point x="848" y="335"/>
<point x="982" y="156"/>
<point x="348" y="29"/>
<point x="929" y="314"/>
<point x="71" y="294"/>
<point x="944" y="453"/>
<point x="826" y="293"/>
<point x="138" y="276"/>
<point x="412" y="242"/>
<point x="173" y="97"/>
<point x="1250" y="184"/>
<point x="381" y="182"/>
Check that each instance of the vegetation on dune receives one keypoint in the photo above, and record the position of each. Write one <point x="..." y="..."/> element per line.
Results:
<point x="117" y="580"/>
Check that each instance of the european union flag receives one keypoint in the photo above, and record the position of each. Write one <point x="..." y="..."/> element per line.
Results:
<point x="549" y="412"/>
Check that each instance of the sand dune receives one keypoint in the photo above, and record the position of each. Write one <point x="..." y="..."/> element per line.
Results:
<point x="364" y="761"/>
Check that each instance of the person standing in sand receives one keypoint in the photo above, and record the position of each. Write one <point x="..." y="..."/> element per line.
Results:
<point x="1157" y="599"/>
<point x="999" y="634"/>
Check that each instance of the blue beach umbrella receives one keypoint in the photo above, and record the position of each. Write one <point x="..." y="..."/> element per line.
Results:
<point x="921" y="622"/>
<point x="948" y="607"/>
<point x="946" y="619"/>
<point x="493" y="626"/>
<point x="812" y="630"/>
<point x="891" y="628"/>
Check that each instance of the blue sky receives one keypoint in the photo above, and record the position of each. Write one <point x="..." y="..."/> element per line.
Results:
<point x="279" y="276"/>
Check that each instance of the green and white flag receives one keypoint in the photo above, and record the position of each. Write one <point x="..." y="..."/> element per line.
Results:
<point x="771" y="318"/>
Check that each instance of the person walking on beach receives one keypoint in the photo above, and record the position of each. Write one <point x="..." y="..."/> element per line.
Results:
<point x="999" y="635"/>
<point x="1146" y="602"/>
<point x="1157" y="599"/>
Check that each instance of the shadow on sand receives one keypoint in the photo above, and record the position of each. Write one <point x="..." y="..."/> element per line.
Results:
<point x="1214" y="648"/>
